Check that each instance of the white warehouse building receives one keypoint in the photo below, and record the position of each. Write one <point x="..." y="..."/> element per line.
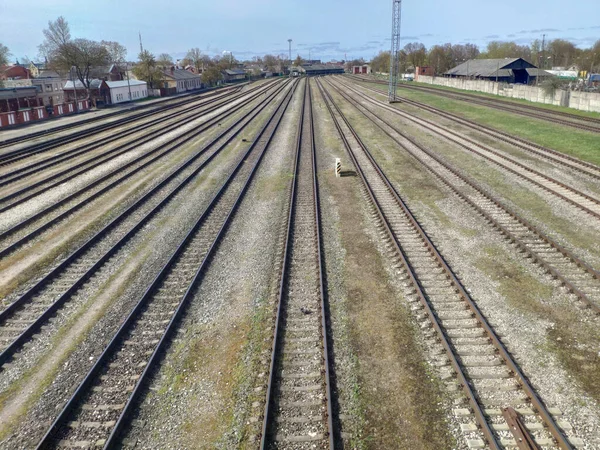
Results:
<point x="119" y="90"/>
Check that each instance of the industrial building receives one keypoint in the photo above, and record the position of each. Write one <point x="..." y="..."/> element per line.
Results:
<point x="509" y="70"/>
<point x="322" y="69"/>
<point x="364" y="69"/>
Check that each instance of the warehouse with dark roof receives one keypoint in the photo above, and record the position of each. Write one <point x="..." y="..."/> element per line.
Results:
<point x="322" y="69"/>
<point x="508" y="70"/>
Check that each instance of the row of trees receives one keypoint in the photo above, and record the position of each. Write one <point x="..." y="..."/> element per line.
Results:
<point x="558" y="52"/>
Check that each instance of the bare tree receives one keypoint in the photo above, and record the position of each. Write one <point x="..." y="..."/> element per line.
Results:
<point x="416" y="53"/>
<point x="67" y="55"/>
<point x="194" y="58"/>
<point x="298" y="61"/>
<point x="4" y="55"/>
<point x="56" y="36"/>
<point x="116" y="51"/>
<point x="271" y="63"/>
<point x="164" y="60"/>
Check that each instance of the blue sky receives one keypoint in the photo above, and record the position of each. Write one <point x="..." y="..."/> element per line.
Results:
<point x="330" y="29"/>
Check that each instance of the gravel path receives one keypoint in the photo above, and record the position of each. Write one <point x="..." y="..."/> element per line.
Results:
<point x="235" y="286"/>
<point x="152" y="248"/>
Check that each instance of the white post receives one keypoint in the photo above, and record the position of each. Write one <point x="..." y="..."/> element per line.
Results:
<point x="338" y="167"/>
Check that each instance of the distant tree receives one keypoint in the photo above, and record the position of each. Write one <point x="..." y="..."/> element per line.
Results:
<point x="212" y="74"/>
<point x="147" y="70"/>
<point x="298" y="61"/>
<point x="194" y="58"/>
<point x="561" y="52"/>
<point x="271" y="63"/>
<point x="117" y="55"/>
<point x="442" y="58"/>
<point x="164" y="60"/>
<point x="500" y="50"/>
<point x="381" y="62"/>
<point x="416" y="53"/>
<point x="116" y="52"/>
<point x="4" y="55"/>
<point x="77" y="55"/>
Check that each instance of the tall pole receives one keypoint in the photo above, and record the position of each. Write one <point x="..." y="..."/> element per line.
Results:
<point x="74" y="89"/>
<point x="395" y="50"/>
<point x="128" y="83"/>
<point x="290" y="43"/>
<point x="141" y="46"/>
<point x="544" y="51"/>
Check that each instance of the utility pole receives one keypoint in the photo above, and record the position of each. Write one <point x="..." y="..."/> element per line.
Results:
<point x="544" y="51"/>
<point x="395" y="50"/>
<point x="141" y="46"/>
<point x="128" y="83"/>
<point x="290" y="43"/>
<point x="74" y="89"/>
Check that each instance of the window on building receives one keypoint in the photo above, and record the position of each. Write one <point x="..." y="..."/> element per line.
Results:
<point x="48" y="87"/>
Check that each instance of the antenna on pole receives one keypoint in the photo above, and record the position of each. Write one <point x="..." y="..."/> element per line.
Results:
<point x="141" y="46"/>
<point x="395" y="50"/>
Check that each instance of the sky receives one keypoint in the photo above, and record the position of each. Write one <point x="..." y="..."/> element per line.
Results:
<point x="323" y="29"/>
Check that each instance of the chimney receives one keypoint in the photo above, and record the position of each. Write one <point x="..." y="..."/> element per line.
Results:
<point x="172" y="70"/>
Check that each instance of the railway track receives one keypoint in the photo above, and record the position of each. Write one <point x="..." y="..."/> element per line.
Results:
<point x="29" y="228"/>
<point x="298" y="412"/>
<point x="591" y="124"/>
<point x="15" y="155"/>
<point x="567" y="161"/>
<point x="24" y="317"/>
<point x="99" y="142"/>
<point x="101" y="407"/>
<point x="502" y="409"/>
<point x="168" y="101"/>
<point x="25" y="191"/>
<point x="576" y="275"/>
<point x="570" y="195"/>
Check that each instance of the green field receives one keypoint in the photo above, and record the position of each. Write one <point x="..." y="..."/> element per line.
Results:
<point x="517" y="101"/>
<point x="571" y="141"/>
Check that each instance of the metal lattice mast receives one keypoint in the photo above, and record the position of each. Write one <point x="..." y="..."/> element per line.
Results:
<point x="395" y="50"/>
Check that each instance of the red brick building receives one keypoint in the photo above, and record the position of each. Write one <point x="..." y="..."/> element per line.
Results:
<point x="14" y="72"/>
<point x="424" y="70"/>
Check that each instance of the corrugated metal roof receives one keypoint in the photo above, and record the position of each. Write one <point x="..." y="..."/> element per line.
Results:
<point x="235" y="72"/>
<point x="483" y="67"/>
<point x="94" y="84"/>
<point x="180" y="74"/>
<point x="123" y="83"/>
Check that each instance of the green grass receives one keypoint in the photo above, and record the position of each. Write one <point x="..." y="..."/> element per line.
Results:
<point x="575" y="347"/>
<point x="506" y="100"/>
<point x="581" y="144"/>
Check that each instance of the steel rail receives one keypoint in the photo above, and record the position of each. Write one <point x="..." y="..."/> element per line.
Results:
<point x="569" y="161"/>
<point x="9" y="157"/>
<point x="161" y="151"/>
<point x="131" y="108"/>
<point x="37" y="166"/>
<point x="415" y="283"/>
<point x="14" y="307"/>
<point x="540" y="114"/>
<point x="75" y="170"/>
<point x="268" y="414"/>
<point x="154" y="360"/>
<point x="570" y="285"/>
<point x="457" y="138"/>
